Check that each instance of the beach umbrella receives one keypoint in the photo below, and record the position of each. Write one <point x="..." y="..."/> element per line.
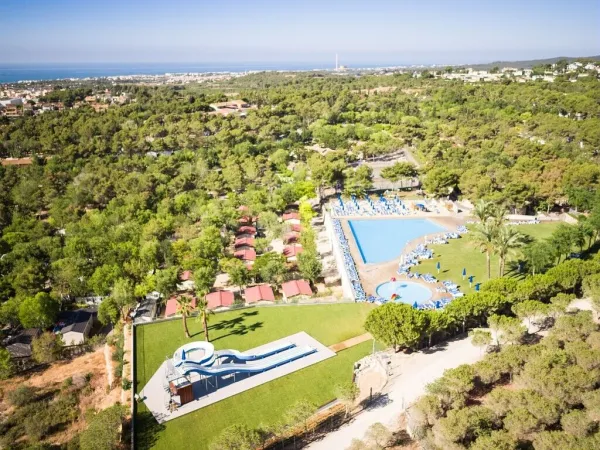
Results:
<point x="477" y="286"/>
<point x="471" y="281"/>
<point x="438" y="266"/>
<point x="415" y="305"/>
<point x="464" y="272"/>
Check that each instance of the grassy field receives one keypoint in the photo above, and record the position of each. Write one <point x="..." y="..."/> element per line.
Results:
<point x="242" y="330"/>
<point x="461" y="253"/>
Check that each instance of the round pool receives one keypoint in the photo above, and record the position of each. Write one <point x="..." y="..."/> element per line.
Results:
<point x="406" y="292"/>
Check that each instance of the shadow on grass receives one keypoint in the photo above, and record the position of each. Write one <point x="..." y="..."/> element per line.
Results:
<point x="241" y="330"/>
<point x="147" y="430"/>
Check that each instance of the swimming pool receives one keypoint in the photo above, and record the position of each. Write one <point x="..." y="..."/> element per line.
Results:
<point x="383" y="240"/>
<point x="406" y="292"/>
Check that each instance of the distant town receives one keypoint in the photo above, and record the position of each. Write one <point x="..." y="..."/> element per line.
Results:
<point x="30" y="97"/>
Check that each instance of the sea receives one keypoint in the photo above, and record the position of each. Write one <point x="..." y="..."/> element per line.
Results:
<point x="12" y="73"/>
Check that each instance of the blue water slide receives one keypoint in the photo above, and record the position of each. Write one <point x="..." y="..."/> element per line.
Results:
<point x="255" y="366"/>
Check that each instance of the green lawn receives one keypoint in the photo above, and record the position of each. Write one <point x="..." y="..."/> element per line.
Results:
<point x="461" y="253"/>
<point x="265" y="404"/>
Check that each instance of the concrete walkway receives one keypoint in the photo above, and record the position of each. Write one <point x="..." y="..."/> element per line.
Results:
<point x="350" y="342"/>
<point x="411" y="374"/>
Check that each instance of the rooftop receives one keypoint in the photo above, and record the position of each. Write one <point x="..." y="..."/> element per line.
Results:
<point x="296" y="287"/>
<point x="262" y="292"/>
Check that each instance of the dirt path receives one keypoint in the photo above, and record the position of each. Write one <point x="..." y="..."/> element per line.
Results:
<point x="110" y="373"/>
<point x="350" y="342"/>
<point x="411" y="374"/>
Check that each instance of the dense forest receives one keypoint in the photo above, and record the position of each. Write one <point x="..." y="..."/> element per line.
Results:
<point x="120" y="201"/>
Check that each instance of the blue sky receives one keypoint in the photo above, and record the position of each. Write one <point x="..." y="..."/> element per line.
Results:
<point x="369" y="31"/>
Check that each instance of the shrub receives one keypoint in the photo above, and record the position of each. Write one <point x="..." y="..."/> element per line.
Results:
<point x="22" y="396"/>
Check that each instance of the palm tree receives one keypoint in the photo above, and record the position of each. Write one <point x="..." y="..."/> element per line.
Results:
<point x="497" y="215"/>
<point x="483" y="237"/>
<point x="205" y="313"/>
<point x="185" y="307"/>
<point x="507" y="239"/>
<point x="483" y="210"/>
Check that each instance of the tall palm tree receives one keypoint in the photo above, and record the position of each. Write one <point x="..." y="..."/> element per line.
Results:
<point x="497" y="215"/>
<point x="506" y="240"/>
<point x="185" y="307"/>
<point x="204" y="316"/>
<point x="483" y="237"/>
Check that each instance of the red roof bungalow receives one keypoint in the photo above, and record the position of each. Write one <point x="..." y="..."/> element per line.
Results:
<point x="245" y="254"/>
<point x="244" y="242"/>
<point x="219" y="299"/>
<point x="186" y="275"/>
<point x="247" y="229"/>
<point x="296" y="227"/>
<point x="296" y="288"/>
<point x="260" y="293"/>
<point x="171" y="307"/>
<point x="292" y="217"/>
<point x="291" y="237"/>
<point x="291" y="252"/>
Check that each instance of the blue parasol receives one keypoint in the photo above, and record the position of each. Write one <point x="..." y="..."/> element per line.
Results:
<point x="464" y="272"/>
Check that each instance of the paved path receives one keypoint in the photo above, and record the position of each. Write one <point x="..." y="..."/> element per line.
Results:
<point x="408" y="382"/>
<point x="350" y="342"/>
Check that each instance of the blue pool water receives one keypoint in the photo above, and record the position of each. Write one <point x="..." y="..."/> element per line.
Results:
<point x="383" y="240"/>
<point x="406" y="291"/>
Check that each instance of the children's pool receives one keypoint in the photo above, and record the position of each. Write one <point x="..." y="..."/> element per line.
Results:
<point x="404" y="291"/>
<point x="384" y="240"/>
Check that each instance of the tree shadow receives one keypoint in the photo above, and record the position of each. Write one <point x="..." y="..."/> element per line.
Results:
<point x="435" y="348"/>
<point x="147" y="430"/>
<point x="241" y="330"/>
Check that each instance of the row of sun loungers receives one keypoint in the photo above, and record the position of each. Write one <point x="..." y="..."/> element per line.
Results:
<point x="368" y="206"/>
<point x="350" y="267"/>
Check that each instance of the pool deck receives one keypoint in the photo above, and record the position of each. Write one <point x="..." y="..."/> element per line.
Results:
<point x="372" y="275"/>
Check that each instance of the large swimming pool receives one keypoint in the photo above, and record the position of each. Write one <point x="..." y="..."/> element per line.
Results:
<point x="383" y="240"/>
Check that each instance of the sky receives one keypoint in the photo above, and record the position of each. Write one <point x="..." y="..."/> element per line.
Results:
<point x="361" y="32"/>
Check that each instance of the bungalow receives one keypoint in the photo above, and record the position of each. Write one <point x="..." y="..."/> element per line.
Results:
<point x="75" y="326"/>
<point x="220" y="299"/>
<point x="246" y="220"/>
<point x="171" y="306"/>
<point x="296" y="227"/>
<point x="19" y="346"/>
<point x="247" y="255"/>
<point x="244" y="242"/>
<point x="292" y="218"/>
<point x="187" y="282"/>
<point x="260" y="293"/>
<point x="247" y="229"/>
<point x="291" y="237"/>
<point x="291" y="252"/>
<point x="296" y="289"/>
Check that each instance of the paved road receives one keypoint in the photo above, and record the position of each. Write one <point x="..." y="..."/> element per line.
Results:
<point x="407" y="384"/>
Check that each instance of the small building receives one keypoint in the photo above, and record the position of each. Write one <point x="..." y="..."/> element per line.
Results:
<point x="147" y="309"/>
<point x="19" y="346"/>
<point x="260" y="293"/>
<point x="292" y="218"/>
<point x="244" y="242"/>
<point x="172" y="306"/>
<point x="296" y="227"/>
<point x="291" y="237"/>
<point x="220" y="299"/>
<point x="291" y="252"/>
<point x="245" y="254"/>
<point x="296" y="289"/>
<point x="187" y="281"/>
<point x="247" y="229"/>
<point x="75" y="326"/>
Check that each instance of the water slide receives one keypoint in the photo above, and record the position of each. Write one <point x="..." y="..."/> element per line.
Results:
<point x="253" y="366"/>
<point x="203" y="353"/>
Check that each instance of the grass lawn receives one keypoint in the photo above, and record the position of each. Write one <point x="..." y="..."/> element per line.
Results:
<point x="461" y="253"/>
<point x="242" y="330"/>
